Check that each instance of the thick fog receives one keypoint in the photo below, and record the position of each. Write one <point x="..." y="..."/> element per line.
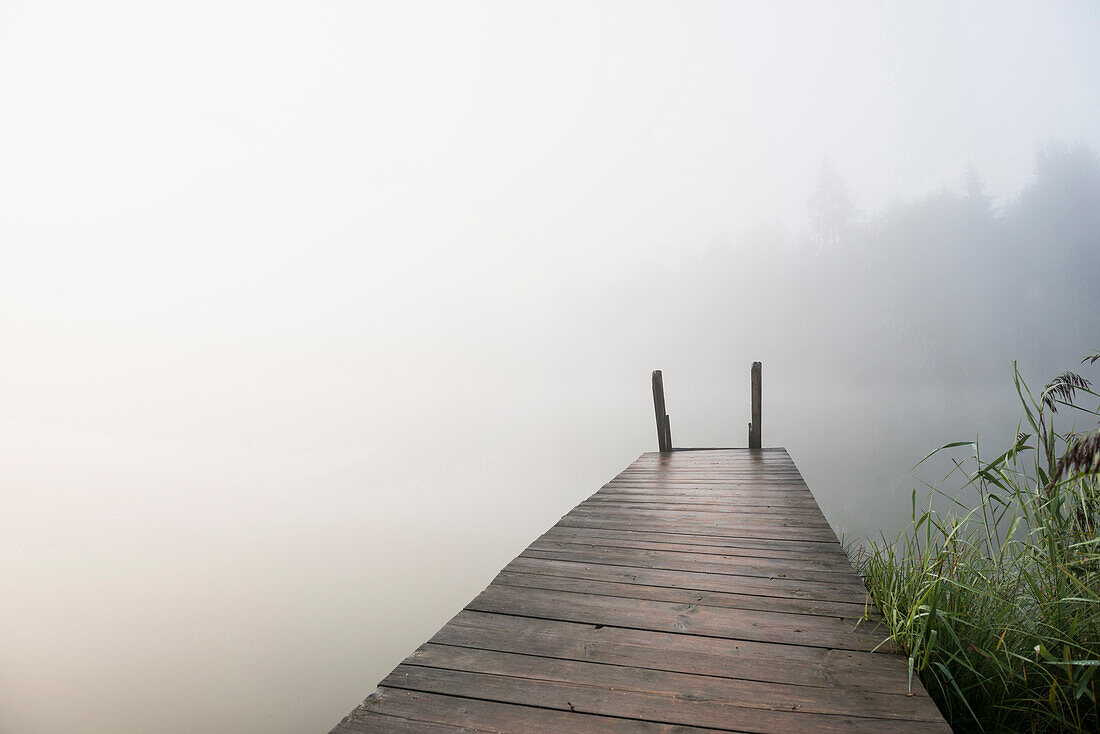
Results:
<point x="314" y="315"/>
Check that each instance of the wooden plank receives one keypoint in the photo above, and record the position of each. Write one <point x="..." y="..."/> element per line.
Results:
<point x="721" y="498"/>
<point x="500" y="718"/>
<point x="679" y="516"/>
<point x="852" y="610"/>
<point x="701" y="543"/>
<point x="729" y="461"/>
<point x="831" y="590"/>
<point x="734" y="624"/>
<point x="721" y="548"/>
<point x="692" y="554"/>
<point x="750" y="511"/>
<point x="686" y="463"/>
<point x="779" y="475"/>
<point x="715" y="529"/>
<point x="382" y="724"/>
<point x="759" y="661"/>
<point x="783" y="469"/>
<point x="746" y="482"/>
<point x="784" y="505"/>
<point x="764" y="505"/>
<point x="690" y="514"/>
<point x="697" y="591"/>
<point x="710" y="483"/>
<point x="697" y="486"/>
<point x="815" y="569"/>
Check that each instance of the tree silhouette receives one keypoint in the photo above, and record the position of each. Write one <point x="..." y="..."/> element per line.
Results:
<point x="978" y="203"/>
<point x="831" y="213"/>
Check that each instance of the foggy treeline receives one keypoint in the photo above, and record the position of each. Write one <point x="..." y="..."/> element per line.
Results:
<point x="950" y="281"/>
<point x="950" y="285"/>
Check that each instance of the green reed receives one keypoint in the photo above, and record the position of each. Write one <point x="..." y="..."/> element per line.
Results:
<point x="996" y="599"/>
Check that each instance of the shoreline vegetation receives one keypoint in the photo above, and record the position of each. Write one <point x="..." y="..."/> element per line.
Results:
<point x="993" y="592"/>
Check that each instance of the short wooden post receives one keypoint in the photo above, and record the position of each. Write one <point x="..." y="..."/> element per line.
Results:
<point x="664" y="433"/>
<point x="754" y="427"/>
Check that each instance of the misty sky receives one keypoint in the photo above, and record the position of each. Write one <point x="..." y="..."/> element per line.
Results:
<point x="313" y="315"/>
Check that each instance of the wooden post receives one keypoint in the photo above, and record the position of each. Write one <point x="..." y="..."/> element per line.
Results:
<point x="664" y="433"/>
<point x="754" y="427"/>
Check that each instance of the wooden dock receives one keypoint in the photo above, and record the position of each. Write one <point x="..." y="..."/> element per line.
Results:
<point x="697" y="591"/>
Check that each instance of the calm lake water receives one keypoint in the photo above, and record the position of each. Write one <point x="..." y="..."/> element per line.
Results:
<point x="265" y="576"/>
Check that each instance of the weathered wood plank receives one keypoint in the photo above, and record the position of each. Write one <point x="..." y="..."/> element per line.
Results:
<point x="729" y="501"/>
<point x="382" y="724"/>
<point x="747" y="660"/>
<point x="716" y="529"/>
<point x="500" y="718"/>
<point x="834" y="590"/>
<point x="734" y="624"/>
<point x="701" y="542"/>
<point x="815" y="569"/>
<point x="687" y="517"/>
<point x="850" y="610"/>
<point x="835" y="556"/>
